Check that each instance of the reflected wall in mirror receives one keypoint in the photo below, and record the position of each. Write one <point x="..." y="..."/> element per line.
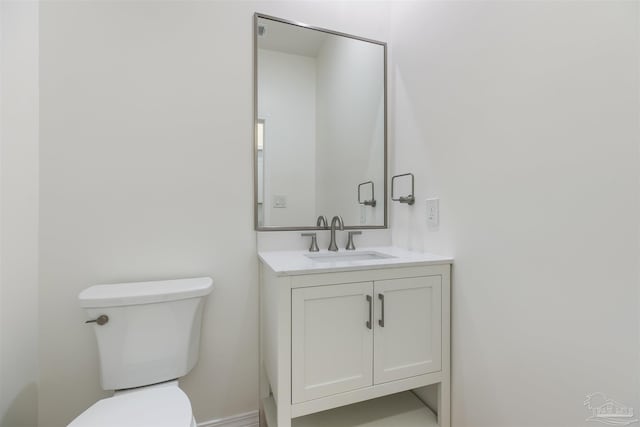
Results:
<point x="320" y="127"/>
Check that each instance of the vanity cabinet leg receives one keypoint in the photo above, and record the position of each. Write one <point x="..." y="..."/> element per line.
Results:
<point x="444" y="389"/>
<point x="284" y="422"/>
<point x="444" y="404"/>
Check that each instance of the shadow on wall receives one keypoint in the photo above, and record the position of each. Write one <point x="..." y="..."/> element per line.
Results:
<point x="23" y="410"/>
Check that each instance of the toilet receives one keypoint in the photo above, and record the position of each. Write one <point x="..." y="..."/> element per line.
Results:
<point x="148" y="336"/>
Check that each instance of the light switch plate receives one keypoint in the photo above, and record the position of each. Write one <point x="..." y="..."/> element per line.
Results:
<point x="279" y="201"/>
<point x="433" y="212"/>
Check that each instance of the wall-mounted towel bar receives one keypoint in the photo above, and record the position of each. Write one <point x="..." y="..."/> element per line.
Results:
<point x="371" y="202"/>
<point x="410" y="199"/>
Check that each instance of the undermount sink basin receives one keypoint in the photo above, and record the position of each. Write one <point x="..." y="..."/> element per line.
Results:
<point x="348" y="256"/>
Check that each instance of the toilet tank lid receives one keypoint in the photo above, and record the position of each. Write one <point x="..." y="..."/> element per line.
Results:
<point x="121" y="294"/>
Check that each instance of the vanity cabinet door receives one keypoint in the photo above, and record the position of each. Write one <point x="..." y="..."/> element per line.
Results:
<point x="332" y="339"/>
<point x="408" y="328"/>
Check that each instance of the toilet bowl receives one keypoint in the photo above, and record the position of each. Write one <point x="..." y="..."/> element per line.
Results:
<point x="162" y="405"/>
<point x="148" y="336"/>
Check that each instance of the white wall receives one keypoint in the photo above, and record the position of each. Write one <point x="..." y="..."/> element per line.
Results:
<point x="286" y="102"/>
<point x="146" y="115"/>
<point x="18" y="213"/>
<point x="146" y="107"/>
<point x="523" y="118"/>
<point x="146" y="173"/>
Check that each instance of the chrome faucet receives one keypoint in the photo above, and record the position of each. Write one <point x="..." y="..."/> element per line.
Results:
<point x="336" y="219"/>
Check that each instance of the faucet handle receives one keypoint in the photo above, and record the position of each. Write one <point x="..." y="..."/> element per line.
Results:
<point x="314" y="241"/>
<point x="350" y="245"/>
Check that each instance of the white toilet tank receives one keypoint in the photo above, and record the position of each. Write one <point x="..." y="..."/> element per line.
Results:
<point x="153" y="329"/>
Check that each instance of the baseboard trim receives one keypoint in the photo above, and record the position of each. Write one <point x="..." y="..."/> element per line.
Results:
<point x="249" y="419"/>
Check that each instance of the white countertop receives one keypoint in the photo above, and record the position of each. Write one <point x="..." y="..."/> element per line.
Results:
<point x="293" y="263"/>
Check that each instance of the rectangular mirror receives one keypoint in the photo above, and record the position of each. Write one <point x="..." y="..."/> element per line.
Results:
<point x="320" y="127"/>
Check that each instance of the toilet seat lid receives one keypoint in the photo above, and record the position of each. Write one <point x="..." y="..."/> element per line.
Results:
<point x="154" y="407"/>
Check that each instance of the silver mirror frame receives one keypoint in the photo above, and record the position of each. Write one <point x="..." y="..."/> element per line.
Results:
<point x="257" y="16"/>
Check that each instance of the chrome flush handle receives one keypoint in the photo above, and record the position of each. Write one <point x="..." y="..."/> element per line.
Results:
<point x="101" y="320"/>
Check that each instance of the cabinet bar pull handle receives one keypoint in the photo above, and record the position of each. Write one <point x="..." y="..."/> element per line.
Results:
<point x="369" y="300"/>
<point x="381" y="321"/>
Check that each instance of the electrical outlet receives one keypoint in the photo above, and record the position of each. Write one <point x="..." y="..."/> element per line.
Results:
<point x="433" y="212"/>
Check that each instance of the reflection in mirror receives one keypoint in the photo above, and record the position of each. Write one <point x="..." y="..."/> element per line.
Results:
<point x="320" y="127"/>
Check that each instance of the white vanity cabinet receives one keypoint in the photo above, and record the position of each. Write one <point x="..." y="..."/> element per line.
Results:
<point x="333" y="337"/>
